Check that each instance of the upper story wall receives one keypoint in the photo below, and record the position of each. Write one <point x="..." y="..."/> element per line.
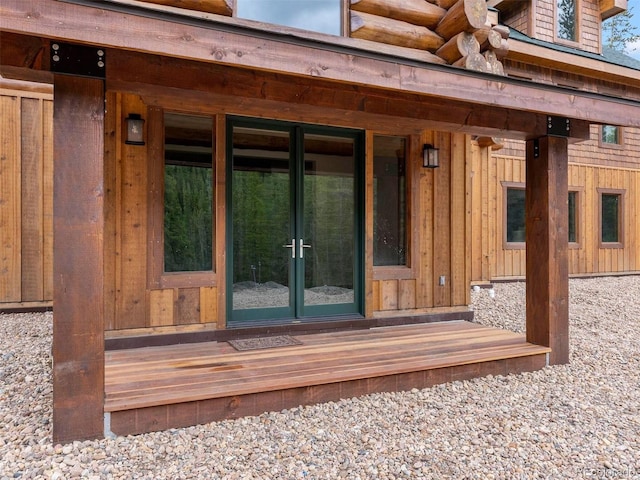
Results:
<point x="551" y="21"/>
<point x="456" y="32"/>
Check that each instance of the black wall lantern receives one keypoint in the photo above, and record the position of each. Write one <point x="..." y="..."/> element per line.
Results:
<point x="135" y="129"/>
<point x="430" y="157"/>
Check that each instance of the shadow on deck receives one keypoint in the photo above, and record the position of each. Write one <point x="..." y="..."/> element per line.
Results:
<point x="156" y="388"/>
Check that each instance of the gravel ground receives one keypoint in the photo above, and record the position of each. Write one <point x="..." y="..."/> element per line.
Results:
<point x="578" y="421"/>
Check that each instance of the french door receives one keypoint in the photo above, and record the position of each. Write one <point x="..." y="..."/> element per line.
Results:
<point x="295" y="221"/>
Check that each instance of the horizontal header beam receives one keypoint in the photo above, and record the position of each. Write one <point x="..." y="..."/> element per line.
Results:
<point x="206" y="40"/>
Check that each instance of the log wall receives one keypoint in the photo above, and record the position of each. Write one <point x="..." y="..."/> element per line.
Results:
<point x="420" y="25"/>
<point x="26" y="194"/>
<point x="492" y="258"/>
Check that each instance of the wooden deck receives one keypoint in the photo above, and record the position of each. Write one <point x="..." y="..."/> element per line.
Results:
<point x="155" y="388"/>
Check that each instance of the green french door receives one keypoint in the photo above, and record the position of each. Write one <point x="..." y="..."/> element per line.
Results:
<point x="295" y="222"/>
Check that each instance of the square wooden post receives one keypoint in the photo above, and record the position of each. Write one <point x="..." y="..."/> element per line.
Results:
<point x="78" y="257"/>
<point x="546" y="212"/>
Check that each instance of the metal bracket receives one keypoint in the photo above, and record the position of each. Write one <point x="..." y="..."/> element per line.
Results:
<point x="558" y="126"/>
<point x="536" y="148"/>
<point x="78" y="60"/>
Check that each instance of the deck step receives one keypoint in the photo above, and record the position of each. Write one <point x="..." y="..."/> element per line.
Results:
<point x="212" y="381"/>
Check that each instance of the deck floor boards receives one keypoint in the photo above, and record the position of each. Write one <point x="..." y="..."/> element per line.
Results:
<point x="154" y="376"/>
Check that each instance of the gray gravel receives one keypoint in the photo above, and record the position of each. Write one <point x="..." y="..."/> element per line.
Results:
<point x="579" y="421"/>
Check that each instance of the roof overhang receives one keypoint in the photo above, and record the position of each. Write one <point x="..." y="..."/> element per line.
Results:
<point x="345" y="61"/>
<point x="564" y="61"/>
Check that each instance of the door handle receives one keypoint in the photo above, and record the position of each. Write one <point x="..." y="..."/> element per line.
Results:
<point x="292" y="246"/>
<point x="302" y="247"/>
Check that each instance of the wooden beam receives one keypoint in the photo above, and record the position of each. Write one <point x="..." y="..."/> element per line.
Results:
<point x="394" y="32"/>
<point x="609" y="8"/>
<point x="464" y="16"/>
<point x="544" y="57"/>
<point x="416" y="12"/>
<point x="220" y="7"/>
<point x="211" y="44"/>
<point x="255" y="93"/>
<point x="546" y="213"/>
<point x="78" y="321"/>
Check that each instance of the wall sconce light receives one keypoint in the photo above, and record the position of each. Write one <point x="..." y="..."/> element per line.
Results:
<point x="135" y="129"/>
<point x="430" y="157"/>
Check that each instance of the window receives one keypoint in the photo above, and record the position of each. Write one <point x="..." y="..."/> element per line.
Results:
<point x="188" y="193"/>
<point x="324" y="16"/>
<point x="390" y="201"/>
<point x="610" y="136"/>
<point x="567" y="20"/>
<point x="573" y="217"/>
<point x="515" y="215"/>
<point x="610" y="217"/>
<point x="515" y="223"/>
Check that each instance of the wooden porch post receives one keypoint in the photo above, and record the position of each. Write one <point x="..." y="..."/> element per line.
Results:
<point x="78" y="296"/>
<point x="547" y="246"/>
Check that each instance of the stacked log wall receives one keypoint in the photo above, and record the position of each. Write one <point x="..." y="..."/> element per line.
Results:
<point x="424" y="25"/>
<point x="458" y="32"/>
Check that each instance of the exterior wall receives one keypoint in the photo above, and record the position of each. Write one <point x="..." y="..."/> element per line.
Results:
<point x="26" y="194"/>
<point x="545" y="24"/>
<point x="439" y="236"/>
<point x="518" y="17"/>
<point x="493" y="259"/>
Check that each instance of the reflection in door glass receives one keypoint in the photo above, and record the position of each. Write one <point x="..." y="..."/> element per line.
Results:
<point x="329" y="213"/>
<point x="261" y="219"/>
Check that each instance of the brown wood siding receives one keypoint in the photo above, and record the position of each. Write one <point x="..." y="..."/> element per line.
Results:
<point x="26" y="194"/>
<point x="588" y="23"/>
<point x="587" y="256"/>
<point x="440" y="221"/>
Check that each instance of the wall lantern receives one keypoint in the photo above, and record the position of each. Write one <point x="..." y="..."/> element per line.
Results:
<point x="135" y="129"/>
<point x="430" y="157"/>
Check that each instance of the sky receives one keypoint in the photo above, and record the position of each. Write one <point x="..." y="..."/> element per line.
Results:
<point x="324" y="15"/>
<point x="636" y="22"/>
<point x="633" y="50"/>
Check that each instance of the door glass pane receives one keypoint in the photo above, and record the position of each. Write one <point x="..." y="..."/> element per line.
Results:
<point x="188" y="193"/>
<point x="317" y="15"/>
<point x="329" y="212"/>
<point x="261" y="207"/>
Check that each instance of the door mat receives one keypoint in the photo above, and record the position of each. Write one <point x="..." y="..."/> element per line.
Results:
<point x="264" y="342"/>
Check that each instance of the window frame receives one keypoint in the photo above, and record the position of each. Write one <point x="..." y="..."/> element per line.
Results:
<point x="621" y="208"/>
<point x="556" y="24"/>
<point x="506" y="245"/>
<point x="603" y="144"/>
<point x="413" y="145"/>
<point x="579" y="191"/>
<point x="157" y="277"/>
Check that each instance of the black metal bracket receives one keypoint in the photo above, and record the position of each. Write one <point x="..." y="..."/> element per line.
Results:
<point x="78" y="60"/>
<point x="558" y="126"/>
<point x="536" y="148"/>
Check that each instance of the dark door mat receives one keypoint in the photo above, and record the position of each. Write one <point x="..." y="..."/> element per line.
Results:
<point x="264" y="342"/>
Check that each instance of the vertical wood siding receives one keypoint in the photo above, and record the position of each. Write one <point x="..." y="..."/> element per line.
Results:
<point x="491" y="260"/>
<point x="26" y="195"/>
